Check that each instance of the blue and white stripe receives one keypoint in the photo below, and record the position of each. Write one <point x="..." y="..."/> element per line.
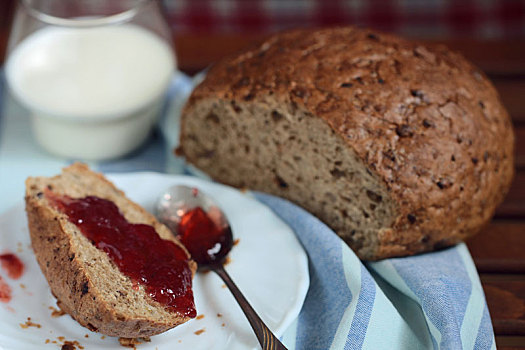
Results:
<point x="429" y="301"/>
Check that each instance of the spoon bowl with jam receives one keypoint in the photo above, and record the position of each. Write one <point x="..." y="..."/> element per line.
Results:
<point x="204" y="230"/>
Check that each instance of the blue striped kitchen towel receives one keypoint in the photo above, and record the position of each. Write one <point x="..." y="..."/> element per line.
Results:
<point x="430" y="301"/>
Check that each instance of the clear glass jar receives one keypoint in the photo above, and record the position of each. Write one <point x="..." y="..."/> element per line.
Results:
<point x="92" y="74"/>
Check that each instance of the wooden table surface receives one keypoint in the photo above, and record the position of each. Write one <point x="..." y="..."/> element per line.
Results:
<point x="499" y="250"/>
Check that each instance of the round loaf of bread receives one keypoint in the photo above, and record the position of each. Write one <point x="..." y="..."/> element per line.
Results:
<point x="400" y="148"/>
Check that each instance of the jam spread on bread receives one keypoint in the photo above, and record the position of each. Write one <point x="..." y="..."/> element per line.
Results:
<point x="159" y="265"/>
<point x="206" y="241"/>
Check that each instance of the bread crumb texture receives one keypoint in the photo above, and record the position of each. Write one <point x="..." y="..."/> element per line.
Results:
<point x="86" y="283"/>
<point x="133" y="342"/>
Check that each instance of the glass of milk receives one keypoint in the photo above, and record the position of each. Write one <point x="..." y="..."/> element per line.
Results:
<point x="92" y="73"/>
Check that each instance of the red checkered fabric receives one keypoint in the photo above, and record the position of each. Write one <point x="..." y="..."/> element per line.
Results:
<point x="485" y="19"/>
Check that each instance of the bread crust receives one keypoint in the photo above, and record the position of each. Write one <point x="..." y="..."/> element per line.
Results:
<point x="66" y="257"/>
<point x="422" y="119"/>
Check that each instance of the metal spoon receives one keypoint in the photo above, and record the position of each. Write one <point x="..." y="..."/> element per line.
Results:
<point x="171" y="209"/>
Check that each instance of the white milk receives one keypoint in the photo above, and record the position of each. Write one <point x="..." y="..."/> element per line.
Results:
<point x="93" y="92"/>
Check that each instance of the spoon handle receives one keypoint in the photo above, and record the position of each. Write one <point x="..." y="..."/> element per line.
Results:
<point x="266" y="338"/>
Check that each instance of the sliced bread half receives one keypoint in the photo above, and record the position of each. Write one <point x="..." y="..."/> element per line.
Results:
<point x="86" y="282"/>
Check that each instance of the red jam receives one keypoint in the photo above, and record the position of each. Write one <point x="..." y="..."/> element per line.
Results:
<point x="5" y="291"/>
<point x="159" y="265"/>
<point x="206" y="241"/>
<point x="12" y="264"/>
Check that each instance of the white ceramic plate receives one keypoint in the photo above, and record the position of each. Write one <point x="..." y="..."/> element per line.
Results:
<point x="268" y="264"/>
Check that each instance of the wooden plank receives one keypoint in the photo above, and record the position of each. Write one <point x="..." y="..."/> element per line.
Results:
<point x="512" y="91"/>
<point x="3" y="44"/>
<point x="499" y="247"/>
<point x="198" y="51"/>
<point x="501" y="57"/>
<point x="519" y="131"/>
<point x="495" y="57"/>
<point x="514" y="204"/>
<point x="7" y="8"/>
<point x="505" y="342"/>
<point x="505" y="295"/>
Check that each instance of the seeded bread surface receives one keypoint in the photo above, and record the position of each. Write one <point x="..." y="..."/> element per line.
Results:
<point x="86" y="283"/>
<point x="400" y="148"/>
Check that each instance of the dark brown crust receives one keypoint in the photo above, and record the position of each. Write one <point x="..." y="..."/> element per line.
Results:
<point x="423" y="119"/>
<point x="57" y="255"/>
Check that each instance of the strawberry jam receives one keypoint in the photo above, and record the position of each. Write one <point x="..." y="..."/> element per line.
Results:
<point x="206" y="241"/>
<point x="159" y="265"/>
<point x="12" y="264"/>
<point x="5" y="291"/>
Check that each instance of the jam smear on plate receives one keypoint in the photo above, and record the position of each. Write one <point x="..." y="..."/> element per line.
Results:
<point x="12" y="265"/>
<point x="5" y="291"/>
<point x="137" y="250"/>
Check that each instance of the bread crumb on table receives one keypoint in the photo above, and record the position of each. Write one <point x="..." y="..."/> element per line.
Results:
<point x="200" y="331"/>
<point x="71" y="345"/>
<point x="66" y="344"/>
<point x="56" y="312"/>
<point x="132" y="342"/>
<point x="29" y="323"/>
